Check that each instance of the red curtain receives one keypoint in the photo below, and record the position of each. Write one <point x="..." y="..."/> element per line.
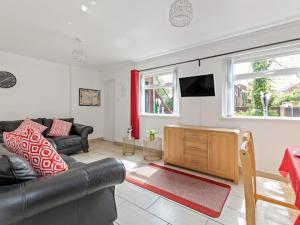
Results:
<point x="134" y="103"/>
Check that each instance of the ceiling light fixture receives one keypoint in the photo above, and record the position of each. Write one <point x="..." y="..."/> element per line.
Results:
<point x="84" y="8"/>
<point x="181" y="13"/>
<point x="78" y="54"/>
<point x="70" y="23"/>
<point x="93" y="2"/>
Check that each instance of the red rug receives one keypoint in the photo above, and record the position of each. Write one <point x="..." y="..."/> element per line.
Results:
<point x="198" y="193"/>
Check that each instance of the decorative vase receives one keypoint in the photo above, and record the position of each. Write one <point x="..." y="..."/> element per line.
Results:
<point x="129" y="133"/>
<point x="152" y="136"/>
<point x="265" y="99"/>
<point x="152" y="133"/>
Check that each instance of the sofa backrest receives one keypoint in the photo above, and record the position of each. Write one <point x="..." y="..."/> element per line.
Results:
<point x="8" y="126"/>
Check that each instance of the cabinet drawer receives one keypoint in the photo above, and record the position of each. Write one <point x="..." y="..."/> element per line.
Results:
<point x="196" y="163"/>
<point x="196" y="151"/>
<point x="195" y="145"/>
<point x="195" y="136"/>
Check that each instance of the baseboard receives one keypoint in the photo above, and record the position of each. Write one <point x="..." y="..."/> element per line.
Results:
<point x="116" y="143"/>
<point x="272" y="176"/>
<point x="137" y="147"/>
<point x="269" y="175"/>
<point x="96" y="139"/>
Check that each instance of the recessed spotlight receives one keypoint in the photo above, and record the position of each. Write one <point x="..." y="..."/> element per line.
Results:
<point x="70" y="23"/>
<point x="93" y="2"/>
<point x="84" y="8"/>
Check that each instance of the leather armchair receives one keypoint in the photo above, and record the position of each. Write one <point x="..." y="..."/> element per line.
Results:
<point x="81" y="196"/>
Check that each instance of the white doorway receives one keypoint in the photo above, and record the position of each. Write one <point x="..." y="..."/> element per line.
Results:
<point x="109" y="109"/>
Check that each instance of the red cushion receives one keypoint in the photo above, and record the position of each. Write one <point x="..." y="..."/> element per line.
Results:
<point x="29" y="124"/>
<point x="60" y="128"/>
<point x="37" y="150"/>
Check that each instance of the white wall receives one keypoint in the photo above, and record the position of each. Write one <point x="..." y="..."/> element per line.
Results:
<point x="122" y="98"/>
<point x="44" y="89"/>
<point x="271" y="137"/>
<point x="90" y="79"/>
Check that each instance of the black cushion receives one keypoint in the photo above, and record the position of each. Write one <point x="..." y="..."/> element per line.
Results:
<point x="9" y="126"/>
<point x="14" y="169"/>
<point x="67" y="141"/>
<point x="48" y="123"/>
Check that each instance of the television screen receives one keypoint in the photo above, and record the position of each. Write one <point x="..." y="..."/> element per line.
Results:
<point x="197" y="86"/>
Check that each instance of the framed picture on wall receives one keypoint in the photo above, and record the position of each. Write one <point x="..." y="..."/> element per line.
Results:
<point x="89" y="97"/>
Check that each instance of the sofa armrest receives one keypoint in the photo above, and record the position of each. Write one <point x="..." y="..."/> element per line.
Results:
<point x="33" y="197"/>
<point x="82" y="130"/>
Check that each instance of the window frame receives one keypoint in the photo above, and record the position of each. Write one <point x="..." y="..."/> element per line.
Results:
<point x="228" y="109"/>
<point x="174" y="85"/>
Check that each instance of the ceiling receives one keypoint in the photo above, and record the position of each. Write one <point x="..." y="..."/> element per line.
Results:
<point x="114" y="31"/>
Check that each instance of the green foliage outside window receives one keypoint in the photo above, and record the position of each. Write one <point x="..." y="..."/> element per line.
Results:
<point x="251" y="97"/>
<point x="258" y="86"/>
<point x="293" y="98"/>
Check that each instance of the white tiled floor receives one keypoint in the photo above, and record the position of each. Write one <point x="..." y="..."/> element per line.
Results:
<point x="137" y="206"/>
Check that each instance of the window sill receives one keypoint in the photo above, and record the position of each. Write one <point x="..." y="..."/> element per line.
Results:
<point x="159" y="115"/>
<point x="261" y="118"/>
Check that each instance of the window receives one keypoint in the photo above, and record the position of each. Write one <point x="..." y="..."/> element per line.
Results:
<point x="159" y="93"/>
<point x="265" y="86"/>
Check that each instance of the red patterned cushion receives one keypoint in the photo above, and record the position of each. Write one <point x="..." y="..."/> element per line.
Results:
<point x="29" y="124"/>
<point x="37" y="150"/>
<point x="12" y="142"/>
<point x="60" y="128"/>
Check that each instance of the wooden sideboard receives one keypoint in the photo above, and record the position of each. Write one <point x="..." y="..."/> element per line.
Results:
<point x="209" y="150"/>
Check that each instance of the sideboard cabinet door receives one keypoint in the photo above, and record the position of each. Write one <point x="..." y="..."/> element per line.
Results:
<point x="174" y="145"/>
<point x="221" y="154"/>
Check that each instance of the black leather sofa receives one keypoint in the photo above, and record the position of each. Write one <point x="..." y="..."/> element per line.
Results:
<point x="84" y="195"/>
<point x="75" y="142"/>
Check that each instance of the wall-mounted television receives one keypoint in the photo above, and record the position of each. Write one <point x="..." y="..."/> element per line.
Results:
<point x="197" y="86"/>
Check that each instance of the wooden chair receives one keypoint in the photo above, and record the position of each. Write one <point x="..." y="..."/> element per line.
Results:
<point x="282" y="195"/>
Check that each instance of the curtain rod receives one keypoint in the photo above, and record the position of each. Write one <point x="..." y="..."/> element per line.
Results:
<point x="223" y="54"/>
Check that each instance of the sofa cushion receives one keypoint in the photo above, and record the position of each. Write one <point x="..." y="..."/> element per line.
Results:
<point x="14" y="169"/>
<point x="29" y="124"/>
<point x="66" y="142"/>
<point x="60" y="128"/>
<point x="48" y="123"/>
<point x="37" y="150"/>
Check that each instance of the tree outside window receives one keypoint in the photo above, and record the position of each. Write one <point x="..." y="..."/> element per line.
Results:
<point x="279" y="76"/>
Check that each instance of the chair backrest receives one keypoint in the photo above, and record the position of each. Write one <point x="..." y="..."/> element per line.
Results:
<point x="248" y="136"/>
<point x="248" y="177"/>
